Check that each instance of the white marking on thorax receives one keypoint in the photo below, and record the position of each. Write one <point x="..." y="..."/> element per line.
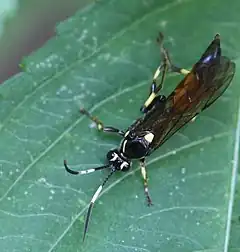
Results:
<point x="149" y="137"/>
<point x="124" y="145"/>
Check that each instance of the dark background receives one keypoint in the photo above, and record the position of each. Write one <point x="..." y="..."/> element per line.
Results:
<point x="29" y="27"/>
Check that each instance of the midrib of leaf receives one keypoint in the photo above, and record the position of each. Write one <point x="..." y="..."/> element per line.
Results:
<point x="45" y="82"/>
<point x="233" y="181"/>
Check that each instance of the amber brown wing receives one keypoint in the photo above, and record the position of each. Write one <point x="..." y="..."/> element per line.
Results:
<point x="197" y="91"/>
<point x="217" y="78"/>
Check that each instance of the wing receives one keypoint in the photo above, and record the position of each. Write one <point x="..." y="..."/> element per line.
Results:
<point x="197" y="91"/>
<point x="221" y="80"/>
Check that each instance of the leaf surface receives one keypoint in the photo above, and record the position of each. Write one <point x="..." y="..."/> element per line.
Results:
<point x="103" y="59"/>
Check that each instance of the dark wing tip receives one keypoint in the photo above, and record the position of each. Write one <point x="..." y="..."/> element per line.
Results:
<point x="212" y="53"/>
<point x="217" y="36"/>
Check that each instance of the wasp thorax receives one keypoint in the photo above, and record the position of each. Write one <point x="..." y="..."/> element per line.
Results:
<point x="117" y="161"/>
<point x="136" y="146"/>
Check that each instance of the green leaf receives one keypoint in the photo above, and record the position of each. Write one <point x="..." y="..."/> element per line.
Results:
<point x="103" y="59"/>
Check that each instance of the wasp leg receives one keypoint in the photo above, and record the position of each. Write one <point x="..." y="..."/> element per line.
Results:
<point x="161" y="70"/>
<point x="180" y="70"/>
<point x="145" y="179"/>
<point x="154" y="89"/>
<point x="159" y="101"/>
<point x="100" y="125"/>
<point x="166" y="58"/>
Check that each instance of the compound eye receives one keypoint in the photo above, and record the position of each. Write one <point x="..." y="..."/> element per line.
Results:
<point x="131" y="135"/>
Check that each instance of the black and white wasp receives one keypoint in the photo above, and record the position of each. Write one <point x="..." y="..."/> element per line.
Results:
<point x="163" y="116"/>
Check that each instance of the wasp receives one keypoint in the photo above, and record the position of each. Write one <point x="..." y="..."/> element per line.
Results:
<point x="163" y="116"/>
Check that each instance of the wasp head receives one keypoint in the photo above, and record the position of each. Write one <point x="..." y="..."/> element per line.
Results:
<point x="117" y="161"/>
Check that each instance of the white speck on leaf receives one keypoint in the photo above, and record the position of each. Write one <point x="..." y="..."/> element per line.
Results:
<point x="92" y="125"/>
<point x="77" y="148"/>
<point x="148" y="42"/>
<point x="106" y="56"/>
<point x="42" y="180"/>
<point x="183" y="170"/>
<point x="163" y="23"/>
<point x="63" y="88"/>
<point x="68" y="47"/>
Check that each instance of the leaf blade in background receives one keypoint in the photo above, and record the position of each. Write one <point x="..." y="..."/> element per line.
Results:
<point x="103" y="59"/>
